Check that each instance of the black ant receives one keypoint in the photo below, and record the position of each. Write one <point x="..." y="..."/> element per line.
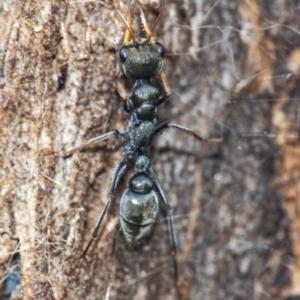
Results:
<point x="141" y="60"/>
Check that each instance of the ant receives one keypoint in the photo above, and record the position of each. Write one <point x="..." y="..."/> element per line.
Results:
<point x="141" y="59"/>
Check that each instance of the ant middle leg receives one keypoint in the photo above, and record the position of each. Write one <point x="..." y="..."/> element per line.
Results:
<point x="94" y="141"/>
<point x="160" y="130"/>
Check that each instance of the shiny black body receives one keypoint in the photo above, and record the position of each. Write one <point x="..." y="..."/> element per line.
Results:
<point x="139" y="204"/>
<point x="141" y="59"/>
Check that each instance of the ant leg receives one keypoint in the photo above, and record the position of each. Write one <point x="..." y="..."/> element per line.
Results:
<point x="95" y="140"/>
<point x="122" y="91"/>
<point x="118" y="173"/>
<point x="124" y="95"/>
<point x="160" y="130"/>
<point x="172" y="233"/>
<point x="124" y="107"/>
<point x="166" y="86"/>
<point x="66" y="51"/>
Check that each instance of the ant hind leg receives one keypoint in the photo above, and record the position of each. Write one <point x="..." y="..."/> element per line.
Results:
<point x="172" y="231"/>
<point x="118" y="173"/>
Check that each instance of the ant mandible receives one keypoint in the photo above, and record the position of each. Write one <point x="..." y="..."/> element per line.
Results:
<point x="141" y="60"/>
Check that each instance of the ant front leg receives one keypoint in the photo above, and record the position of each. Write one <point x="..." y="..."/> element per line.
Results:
<point x="167" y="89"/>
<point x="118" y="173"/>
<point x="160" y="130"/>
<point x="124" y="95"/>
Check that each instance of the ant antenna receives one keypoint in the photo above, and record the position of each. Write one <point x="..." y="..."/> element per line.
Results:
<point x="128" y="34"/>
<point x="127" y="23"/>
<point x="162" y="9"/>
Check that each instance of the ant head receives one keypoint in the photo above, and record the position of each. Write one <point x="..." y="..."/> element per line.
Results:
<point x="142" y="163"/>
<point x="142" y="57"/>
<point x="142" y="60"/>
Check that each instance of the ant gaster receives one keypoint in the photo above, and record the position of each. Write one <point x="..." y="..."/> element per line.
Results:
<point x="141" y="60"/>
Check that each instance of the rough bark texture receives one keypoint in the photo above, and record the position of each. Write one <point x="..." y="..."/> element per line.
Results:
<point x="233" y="67"/>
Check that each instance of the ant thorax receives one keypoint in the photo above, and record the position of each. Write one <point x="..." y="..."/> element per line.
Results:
<point x="143" y="100"/>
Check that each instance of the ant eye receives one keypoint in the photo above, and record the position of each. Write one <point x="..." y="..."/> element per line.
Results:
<point x="123" y="53"/>
<point x="160" y="49"/>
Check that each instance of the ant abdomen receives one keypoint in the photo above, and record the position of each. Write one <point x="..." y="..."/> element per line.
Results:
<point x="138" y="209"/>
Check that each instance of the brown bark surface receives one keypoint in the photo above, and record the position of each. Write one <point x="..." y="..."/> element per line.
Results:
<point x="233" y="67"/>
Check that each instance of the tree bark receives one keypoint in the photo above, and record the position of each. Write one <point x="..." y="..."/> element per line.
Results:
<point x="233" y="67"/>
